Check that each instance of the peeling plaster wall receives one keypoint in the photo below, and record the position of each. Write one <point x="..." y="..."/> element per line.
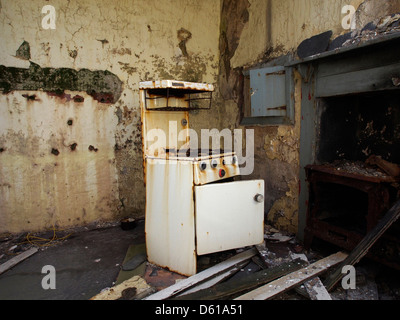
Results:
<point x="273" y="28"/>
<point x="58" y="163"/>
<point x="277" y="27"/>
<point x="45" y="179"/>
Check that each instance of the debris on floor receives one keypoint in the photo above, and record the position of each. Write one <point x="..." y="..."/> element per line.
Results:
<point x="278" y="269"/>
<point x="12" y="245"/>
<point x="134" y="288"/>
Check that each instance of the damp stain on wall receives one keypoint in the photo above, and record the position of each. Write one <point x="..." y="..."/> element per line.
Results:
<point x="57" y="158"/>
<point x="103" y="86"/>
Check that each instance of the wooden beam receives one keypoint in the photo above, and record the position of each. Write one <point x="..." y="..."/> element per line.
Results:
<point x="314" y="287"/>
<point x="362" y="248"/>
<point x="202" y="276"/>
<point x="234" y="287"/>
<point x="19" y="258"/>
<point x="293" y="279"/>
<point x="215" y="280"/>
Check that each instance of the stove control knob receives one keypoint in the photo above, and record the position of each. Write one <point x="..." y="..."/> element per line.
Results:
<point x="222" y="173"/>
<point x="214" y="164"/>
<point x="234" y="160"/>
<point x="203" y="166"/>
<point x="259" y="198"/>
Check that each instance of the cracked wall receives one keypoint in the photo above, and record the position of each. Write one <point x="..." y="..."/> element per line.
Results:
<point x="70" y="153"/>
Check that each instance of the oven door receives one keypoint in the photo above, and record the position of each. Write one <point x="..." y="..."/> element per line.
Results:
<point x="229" y="215"/>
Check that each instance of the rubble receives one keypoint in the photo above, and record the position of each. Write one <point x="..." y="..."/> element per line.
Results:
<point x="384" y="26"/>
<point x="258" y="266"/>
<point x="131" y="289"/>
<point x="357" y="167"/>
<point x="272" y="270"/>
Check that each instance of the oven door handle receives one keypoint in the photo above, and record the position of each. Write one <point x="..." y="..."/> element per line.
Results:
<point x="259" y="198"/>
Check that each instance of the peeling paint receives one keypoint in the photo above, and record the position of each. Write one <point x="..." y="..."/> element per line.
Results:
<point x="284" y="145"/>
<point x="49" y="174"/>
<point x="24" y="51"/>
<point x="98" y="84"/>
<point x="191" y="69"/>
<point x="70" y="106"/>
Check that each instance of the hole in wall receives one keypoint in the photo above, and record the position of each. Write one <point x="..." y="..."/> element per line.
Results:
<point x="91" y="148"/>
<point x="78" y="99"/>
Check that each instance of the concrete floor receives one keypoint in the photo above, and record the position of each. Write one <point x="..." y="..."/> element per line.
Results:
<point x="90" y="260"/>
<point x="85" y="263"/>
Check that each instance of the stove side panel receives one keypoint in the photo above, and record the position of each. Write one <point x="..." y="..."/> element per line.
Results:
<point x="170" y="227"/>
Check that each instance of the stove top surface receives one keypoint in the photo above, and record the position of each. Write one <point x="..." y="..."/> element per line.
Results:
<point x="196" y="153"/>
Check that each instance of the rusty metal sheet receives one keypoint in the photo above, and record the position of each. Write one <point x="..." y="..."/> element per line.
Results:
<point x="174" y="84"/>
<point x="162" y="129"/>
<point x="215" y="168"/>
<point x="170" y="230"/>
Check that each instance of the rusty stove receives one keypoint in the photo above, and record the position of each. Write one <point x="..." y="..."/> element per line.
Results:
<point x="194" y="206"/>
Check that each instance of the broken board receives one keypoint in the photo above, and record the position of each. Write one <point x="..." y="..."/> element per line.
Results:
<point x="293" y="279"/>
<point x="233" y="288"/>
<point x="19" y="258"/>
<point x="362" y="248"/>
<point x="314" y="287"/>
<point x="202" y="276"/>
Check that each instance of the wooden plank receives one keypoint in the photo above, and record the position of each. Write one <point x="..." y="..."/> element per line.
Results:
<point x="202" y="276"/>
<point x="293" y="279"/>
<point x="19" y="258"/>
<point x="362" y="248"/>
<point x="380" y="56"/>
<point x="314" y="287"/>
<point x="214" y="281"/>
<point x="233" y="288"/>
<point x="370" y="80"/>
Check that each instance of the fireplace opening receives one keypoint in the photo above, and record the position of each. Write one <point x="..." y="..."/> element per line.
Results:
<point x="355" y="178"/>
<point x="342" y="206"/>
<point x="358" y="126"/>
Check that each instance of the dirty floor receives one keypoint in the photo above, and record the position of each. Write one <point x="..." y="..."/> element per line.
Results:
<point x="89" y="259"/>
<point x="86" y="260"/>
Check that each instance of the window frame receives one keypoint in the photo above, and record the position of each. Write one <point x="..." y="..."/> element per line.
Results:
<point x="272" y="67"/>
